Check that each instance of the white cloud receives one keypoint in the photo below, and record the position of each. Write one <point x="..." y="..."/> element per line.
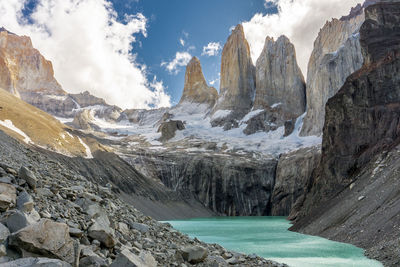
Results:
<point x="174" y="66"/>
<point x="182" y="42"/>
<point x="89" y="48"/>
<point x="299" y="20"/>
<point x="211" y="49"/>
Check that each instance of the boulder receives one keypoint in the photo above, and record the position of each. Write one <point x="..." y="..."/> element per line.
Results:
<point x="4" y="233"/>
<point x="8" y="196"/>
<point x="143" y="228"/>
<point x="28" y="176"/>
<point x="16" y="219"/>
<point x="25" y="202"/>
<point x="46" y="238"/>
<point x="36" y="262"/>
<point x="92" y="261"/>
<point x="128" y="259"/>
<point x="194" y="254"/>
<point x="101" y="230"/>
<point x="169" y="128"/>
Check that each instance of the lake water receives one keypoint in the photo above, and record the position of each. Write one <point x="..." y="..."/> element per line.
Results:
<point x="268" y="237"/>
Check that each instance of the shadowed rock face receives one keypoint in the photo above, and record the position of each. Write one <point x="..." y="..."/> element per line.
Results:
<point x="196" y="89"/>
<point x="279" y="79"/>
<point x="232" y="185"/>
<point x="336" y="54"/>
<point x="237" y="75"/>
<point x="355" y="181"/>
<point x="23" y="69"/>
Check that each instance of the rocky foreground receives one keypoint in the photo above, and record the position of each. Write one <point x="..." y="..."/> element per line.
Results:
<point x="51" y="215"/>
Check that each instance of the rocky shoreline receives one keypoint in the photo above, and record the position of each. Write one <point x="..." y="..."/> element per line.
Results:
<point x="50" y="211"/>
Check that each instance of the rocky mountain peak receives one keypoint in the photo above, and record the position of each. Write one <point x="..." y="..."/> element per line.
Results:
<point x="336" y="54"/>
<point x="237" y="75"/>
<point x="279" y="80"/>
<point x="196" y="89"/>
<point x="23" y="70"/>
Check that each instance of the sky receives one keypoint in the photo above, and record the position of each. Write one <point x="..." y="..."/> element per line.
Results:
<point x="133" y="53"/>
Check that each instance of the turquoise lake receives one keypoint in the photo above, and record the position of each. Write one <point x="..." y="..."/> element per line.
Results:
<point x="269" y="237"/>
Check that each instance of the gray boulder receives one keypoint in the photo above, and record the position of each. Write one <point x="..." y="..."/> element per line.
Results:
<point x="46" y="238"/>
<point x="168" y="129"/>
<point x="194" y="254"/>
<point x="28" y="176"/>
<point x="128" y="259"/>
<point x="25" y="202"/>
<point x="16" y="219"/>
<point x="8" y="196"/>
<point x="101" y="230"/>
<point x="36" y="262"/>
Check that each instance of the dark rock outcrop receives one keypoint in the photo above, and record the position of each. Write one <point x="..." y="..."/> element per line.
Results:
<point x="350" y="197"/>
<point x="228" y="184"/>
<point x="168" y="129"/>
<point x="293" y="173"/>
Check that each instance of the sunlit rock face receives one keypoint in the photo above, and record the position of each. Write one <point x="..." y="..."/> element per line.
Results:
<point x="336" y="54"/>
<point x="23" y="70"/>
<point x="237" y="75"/>
<point x="196" y="89"/>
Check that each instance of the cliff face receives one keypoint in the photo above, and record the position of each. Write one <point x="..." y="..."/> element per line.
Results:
<point x="196" y="89"/>
<point x="279" y="80"/>
<point x="23" y="70"/>
<point x="361" y="132"/>
<point x="336" y="54"/>
<point x="237" y="75"/>
<point x="232" y="185"/>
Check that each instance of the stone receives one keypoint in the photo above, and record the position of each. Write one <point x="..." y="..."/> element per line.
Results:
<point x="102" y="231"/>
<point x="289" y="127"/>
<point x="36" y="262"/>
<point x="25" y="202"/>
<point x="336" y="55"/>
<point x="194" y="254"/>
<point x="16" y="220"/>
<point x="279" y="79"/>
<point x="128" y="259"/>
<point x="74" y="232"/>
<point x="139" y="226"/>
<point x="8" y="196"/>
<point x="196" y="89"/>
<point x="237" y="86"/>
<point x="46" y="238"/>
<point x="28" y="176"/>
<point x="4" y="233"/>
<point x="168" y="129"/>
<point x="92" y="261"/>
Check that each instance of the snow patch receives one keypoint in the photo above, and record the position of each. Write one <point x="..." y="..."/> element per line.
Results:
<point x="9" y="124"/>
<point x="87" y="149"/>
<point x="276" y="105"/>
<point x="251" y="115"/>
<point x="221" y="114"/>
